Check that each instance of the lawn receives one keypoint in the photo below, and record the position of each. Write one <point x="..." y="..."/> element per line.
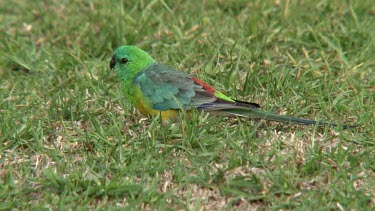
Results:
<point x="69" y="140"/>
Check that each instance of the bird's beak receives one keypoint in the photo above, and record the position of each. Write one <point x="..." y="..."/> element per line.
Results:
<point x="112" y="63"/>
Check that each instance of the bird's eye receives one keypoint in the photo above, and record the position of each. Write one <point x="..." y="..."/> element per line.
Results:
<point x="124" y="60"/>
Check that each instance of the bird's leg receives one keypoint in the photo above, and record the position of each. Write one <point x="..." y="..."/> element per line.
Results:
<point x="161" y="120"/>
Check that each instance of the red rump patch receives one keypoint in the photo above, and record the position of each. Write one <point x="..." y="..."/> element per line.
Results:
<point x="205" y="86"/>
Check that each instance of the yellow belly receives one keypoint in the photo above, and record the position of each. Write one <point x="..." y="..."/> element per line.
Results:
<point x="146" y="109"/>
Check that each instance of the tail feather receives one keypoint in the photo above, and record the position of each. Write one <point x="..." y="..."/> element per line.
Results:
<point x="246" y="104"/>
<point x="255" y="113"/>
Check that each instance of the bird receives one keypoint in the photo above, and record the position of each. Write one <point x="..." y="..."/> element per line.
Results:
<point x="158" y="90"/>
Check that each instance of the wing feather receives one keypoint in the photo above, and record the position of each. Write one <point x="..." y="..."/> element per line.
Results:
<point x="167" y="88"/>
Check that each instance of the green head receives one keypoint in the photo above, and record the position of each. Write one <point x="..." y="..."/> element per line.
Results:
<point x="127" y="61"/>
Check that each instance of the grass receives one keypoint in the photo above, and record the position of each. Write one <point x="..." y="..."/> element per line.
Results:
<point x="70" y="141"/>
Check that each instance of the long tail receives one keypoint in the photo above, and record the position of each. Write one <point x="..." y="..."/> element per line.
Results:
<point x="258" y="114"/>
<point x="251" y="110"/>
